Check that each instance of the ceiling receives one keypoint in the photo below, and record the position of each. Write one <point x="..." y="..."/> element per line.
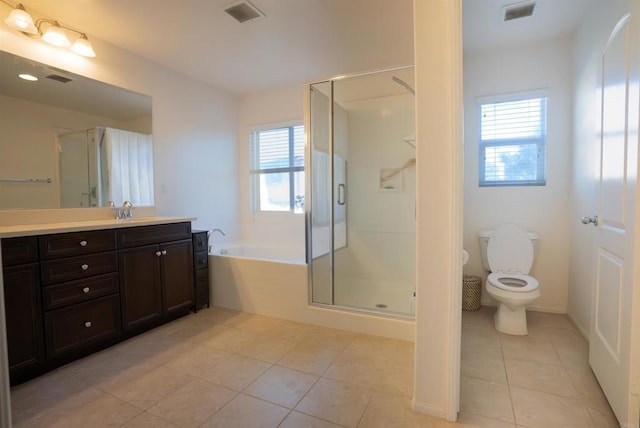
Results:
<point x="484" y="29"/>
<point x="298" y="41"/>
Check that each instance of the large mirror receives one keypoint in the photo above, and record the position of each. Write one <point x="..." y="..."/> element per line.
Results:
<point x="67" y="141"/>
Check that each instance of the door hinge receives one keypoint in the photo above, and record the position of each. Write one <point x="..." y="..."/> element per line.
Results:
<point x="635" y="386"/>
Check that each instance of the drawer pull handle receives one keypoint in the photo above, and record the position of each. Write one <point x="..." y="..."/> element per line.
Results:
<point x="85" y="266"/>
<point x="85" y="289"/>
<point x="87" y="324"/>
<point x="164" y="252"/>
<point x="158" y="253"/>
<point x="83" y="243"/>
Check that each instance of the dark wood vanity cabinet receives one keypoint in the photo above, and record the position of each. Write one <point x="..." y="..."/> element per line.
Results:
<point x="23" y="308"/>
<point x="70" y="294"/>
<point x="156" y="276"/>
<point x="200" y="269"/>
<point x="141" y="297"/>
<point x="81" y="294"/>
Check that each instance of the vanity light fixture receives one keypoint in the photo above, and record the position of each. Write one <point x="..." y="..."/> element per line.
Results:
<point x="50" y="30"/>
<point x="19" y="19"/>
<point x="54" y="34"/>
<point x="83" y="47"/>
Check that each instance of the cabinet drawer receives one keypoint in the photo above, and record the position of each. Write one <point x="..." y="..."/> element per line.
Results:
<point x="155" y="234"/>
<point x="76" y="243"/>
<point x="71" y="268"/>
<point x="202" y="287"/>
<point x="68" y="293"/>
<point x="201" y="260"/>
<point x="200" y="241"/>
<point x="85" y="324"/>
<point x="17" y="251"/>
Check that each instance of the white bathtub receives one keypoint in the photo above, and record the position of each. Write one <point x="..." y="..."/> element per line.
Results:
<point x="280" y="254"/>
<point x="273" y="280"/>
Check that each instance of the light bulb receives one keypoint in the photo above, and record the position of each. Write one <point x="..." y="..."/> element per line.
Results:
<point x="20" y="20"/>
<point x="55" y="36"/>
<point x="83" y="47"/>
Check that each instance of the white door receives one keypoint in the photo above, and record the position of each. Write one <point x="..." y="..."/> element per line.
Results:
<point x="614" y="346"/>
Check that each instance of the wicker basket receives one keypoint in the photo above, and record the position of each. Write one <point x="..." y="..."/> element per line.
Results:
<point x="471" y="293"/>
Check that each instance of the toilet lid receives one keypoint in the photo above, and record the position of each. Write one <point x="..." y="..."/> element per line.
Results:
<point x="510" y="250"/>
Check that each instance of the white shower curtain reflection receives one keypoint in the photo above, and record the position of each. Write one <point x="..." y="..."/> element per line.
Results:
<point x="128" y="160"/>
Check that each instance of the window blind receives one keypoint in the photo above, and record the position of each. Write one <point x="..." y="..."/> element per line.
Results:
<point x="513" y="142"/>
<point x="279" y="148"/>
<point x="277" y="169"/>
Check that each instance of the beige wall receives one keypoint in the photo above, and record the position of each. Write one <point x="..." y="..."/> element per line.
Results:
<point x="542" y="209"/>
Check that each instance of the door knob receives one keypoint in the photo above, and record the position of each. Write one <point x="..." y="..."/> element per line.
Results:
<point x="590" y="219"/>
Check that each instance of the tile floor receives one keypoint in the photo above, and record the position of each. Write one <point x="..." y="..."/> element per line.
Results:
<point x="220" y="368"/>
<point x="540" y="380"/>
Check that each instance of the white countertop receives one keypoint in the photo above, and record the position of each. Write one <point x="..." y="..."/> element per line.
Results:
<point x="76" y="226"/>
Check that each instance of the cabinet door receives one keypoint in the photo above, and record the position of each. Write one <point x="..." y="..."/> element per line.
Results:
<point x="23" y="309"/>
<point x="177" y="277"/>
<point x="140" y="295"/>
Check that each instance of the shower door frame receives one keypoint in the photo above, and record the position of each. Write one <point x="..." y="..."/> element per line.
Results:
<point x="309" y="196"/>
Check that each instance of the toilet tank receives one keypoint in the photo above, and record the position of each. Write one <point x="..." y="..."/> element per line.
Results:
<point x="484" y="236"/>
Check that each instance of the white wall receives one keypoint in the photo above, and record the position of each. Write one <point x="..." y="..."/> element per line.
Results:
<point x="282" y="106"/>
<point x="194" y="126"/>
<point x="438" y="58"/>
<point x="543" y="209"/>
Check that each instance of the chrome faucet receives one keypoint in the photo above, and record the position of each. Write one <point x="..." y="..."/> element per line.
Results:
<point x="210" y="234"/>
<point x="212" y="231"/>
<point x="125" y="211"/>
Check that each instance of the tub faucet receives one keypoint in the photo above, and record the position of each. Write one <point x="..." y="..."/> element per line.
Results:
<point x="212" y="231"/>
<point x="210" y="235"/>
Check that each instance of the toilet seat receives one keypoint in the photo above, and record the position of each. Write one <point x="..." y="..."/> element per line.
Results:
<point x="514" y="282"/>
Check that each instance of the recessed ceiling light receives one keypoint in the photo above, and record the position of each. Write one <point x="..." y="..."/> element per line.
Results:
<point x="29" y="77"/>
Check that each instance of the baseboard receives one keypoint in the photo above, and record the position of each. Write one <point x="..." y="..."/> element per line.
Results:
<point x="582" y="331"/>
<point x="547" y="310"/>
<point x="428" y="409"/>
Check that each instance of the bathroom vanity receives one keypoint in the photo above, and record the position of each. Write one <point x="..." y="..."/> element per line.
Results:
<point x="72" y="289"/>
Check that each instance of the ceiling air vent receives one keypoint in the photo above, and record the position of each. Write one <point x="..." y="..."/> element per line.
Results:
<point x="517" y="11"/>
<point x="59" y="78"/>
<point x="243" y="11"/>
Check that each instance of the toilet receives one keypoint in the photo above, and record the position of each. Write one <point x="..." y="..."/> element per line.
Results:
<point x="508" y="253"/>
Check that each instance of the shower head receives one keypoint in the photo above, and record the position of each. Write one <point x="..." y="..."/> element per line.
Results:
<point x="403" y="84"/>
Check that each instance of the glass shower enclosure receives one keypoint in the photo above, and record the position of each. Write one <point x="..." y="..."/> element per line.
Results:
<point x="361" y="181"/>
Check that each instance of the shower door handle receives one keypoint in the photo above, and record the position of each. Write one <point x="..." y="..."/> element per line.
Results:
<point x="342" y="190"/>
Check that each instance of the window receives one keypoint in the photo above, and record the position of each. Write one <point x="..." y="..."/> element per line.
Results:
<point x="277" y="169"/>
<point x="513" y="134"/>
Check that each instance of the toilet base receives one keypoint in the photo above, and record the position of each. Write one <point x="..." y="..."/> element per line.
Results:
<point x="510" y="321"/>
